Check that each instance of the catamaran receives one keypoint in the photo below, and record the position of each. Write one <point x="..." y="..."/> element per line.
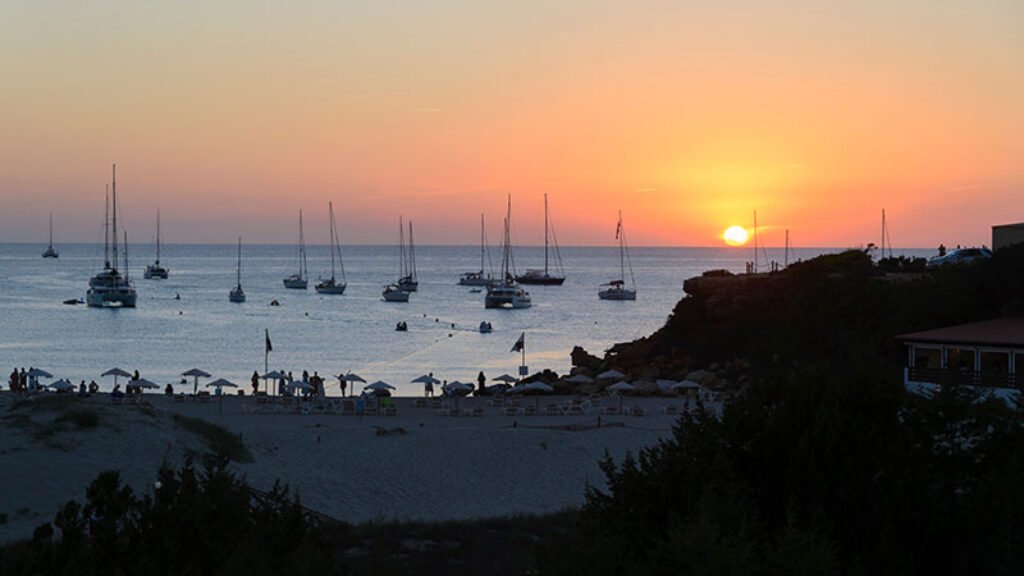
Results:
<point x="616" y="289"/>
<point x="478" y="278"/>
<point x="299" y="280"/>
<point x="332" y="285"/>
<point x="156" y="270"/>
<point x="109" y="288"/>
<point x="50" y="252"/>
<point x="544" y="277"/>
<point x="237" y="294"/>
<point x="507" y="293"/>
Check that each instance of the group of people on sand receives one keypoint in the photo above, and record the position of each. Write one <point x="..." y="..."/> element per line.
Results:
<point x="22" y="382"/>
<point x="312" y="386"/>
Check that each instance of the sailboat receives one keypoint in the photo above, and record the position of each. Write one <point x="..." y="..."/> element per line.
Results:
<point x="332" y="285"/>
<point x="399" y="291"/>
<point x="478" y="278"/>
<point x="507" y="293"/>
<point x="299" y="280"/>
<point x="616" y="289"/>
<point x="407" y="280"/>
<point x="544" y="277"/>
<point x="156" y="270"/>
<point x="109" y="288"/>
<point x="237" y="294"/>
<point x="50" y="252"/>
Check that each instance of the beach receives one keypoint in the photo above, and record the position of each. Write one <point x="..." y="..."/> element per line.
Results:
<point x="418" y="464"/>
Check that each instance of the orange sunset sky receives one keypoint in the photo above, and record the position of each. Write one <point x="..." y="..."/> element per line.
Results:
<point x="232" y="115"/>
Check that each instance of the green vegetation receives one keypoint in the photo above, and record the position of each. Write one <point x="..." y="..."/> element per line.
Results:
<point x="194" y="522"/>
<point x="221" y="442"/>
<point x="823" y="464"/>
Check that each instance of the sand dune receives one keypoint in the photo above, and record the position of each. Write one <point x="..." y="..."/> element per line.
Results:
<point x="440" y="468"/>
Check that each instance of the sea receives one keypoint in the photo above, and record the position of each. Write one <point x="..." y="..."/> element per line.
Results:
<point x="187" y="321"/>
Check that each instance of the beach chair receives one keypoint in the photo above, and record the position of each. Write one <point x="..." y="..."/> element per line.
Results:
<point x="348" y="407"/>
<point x="478" y="411"/>
<point x="530" y="410"/>
<point x="391" y="411"/>
<point x="204" y="397"/>
<point x="636" y="411"/>
<point x="670" y="409"/>
<point x="420" y="403"/>
<point x="435" y="402"/>
<point x="496" y="403"/>
<point x="509" y="411"/>
<point x="180" y="397"/>
<point x="610" y="410"/>
<point x="552" y="410"/>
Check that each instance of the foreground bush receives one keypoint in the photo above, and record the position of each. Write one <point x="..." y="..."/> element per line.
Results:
<point x="195" y="522"/>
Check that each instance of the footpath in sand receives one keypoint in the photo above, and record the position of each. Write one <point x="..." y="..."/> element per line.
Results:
<point x="416" y="465"/>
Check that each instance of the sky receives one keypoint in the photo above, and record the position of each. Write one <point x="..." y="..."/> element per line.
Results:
<point x="231" y="116"/>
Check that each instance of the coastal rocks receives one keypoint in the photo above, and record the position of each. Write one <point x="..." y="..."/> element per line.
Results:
<point x="583" y="359"/>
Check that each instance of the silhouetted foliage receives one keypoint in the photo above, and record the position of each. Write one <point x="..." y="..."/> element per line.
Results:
<point x="194" y="522"/>
<point x="824" y="465"/>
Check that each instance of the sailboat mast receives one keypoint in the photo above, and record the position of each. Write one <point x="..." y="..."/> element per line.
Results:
<point x="545" y="234"/>
<point x="401" y="248"/>
<point x="755" y="242"/>
<point x="239" y="273"/>
<point x="481" y="244"/>
<point x="786" y="262"/>
<point x="113" y="201"/>
<point x="412" y="253"/>
<point x="51" y="229"/>
<point x="506" y="253"/>
<point x="158" y="236"/>
<point x="106" y="229"/>
<point x="126" y="255"/>
<point x="622" y="249"/>
<point x="330" y="206"/>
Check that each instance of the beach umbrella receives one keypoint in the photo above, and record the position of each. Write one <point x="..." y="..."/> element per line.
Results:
<point x="379" y="385"/>
<point x="538" y="386"/>
<point x="621" y="386"/>
<point x="143" y="383"/>
<point x="62" y="384"/>
<point x="222" y="383"/>
<point x="665" y="384"/>
<point x="580" y="379"/>
<point x="115" y="372"/>
<point x="197" y="374"/>
<point x="458" y="388"/>
<point x="39" y="373"/>
<point x="610" y="374"/>
<point x="274" y="375"/>
<point x="618" y="388"/>
<point x="505" y="378"/>
<point x="426" y="378"/>
<point x="686" y="385"/>
<point x="352" y="377"/>
<point x="300" y="385"/>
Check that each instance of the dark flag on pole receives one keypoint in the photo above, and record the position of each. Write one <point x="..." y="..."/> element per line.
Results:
<point x="269" y="347"/>
<point x="520" y="344"/>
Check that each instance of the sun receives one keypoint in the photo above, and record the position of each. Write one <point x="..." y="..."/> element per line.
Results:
<point x="735" y="235"/>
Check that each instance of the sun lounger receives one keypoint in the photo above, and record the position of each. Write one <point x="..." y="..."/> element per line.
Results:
<point x="509" y="411"/>
<point x="390" y="411"/>
<point x="610" y="410"/>
<point x="180" y="397"/>
<point x="670" y="409"/>
<point x="552" y="410"/>
<point x="530" y="410"/>
<point x="478" y="411"/>
<point x="420" y="403"/>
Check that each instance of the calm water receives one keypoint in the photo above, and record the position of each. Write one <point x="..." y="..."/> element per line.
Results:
<point x="331" y="334"/>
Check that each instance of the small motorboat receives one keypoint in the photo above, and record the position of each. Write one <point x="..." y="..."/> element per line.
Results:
<point x="486" y="328"/>
<point x="402" y="327"/>
<point x="74" y="301"/>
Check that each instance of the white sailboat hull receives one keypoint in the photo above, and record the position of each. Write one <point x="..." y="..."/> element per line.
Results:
<point x="331" y="287"/>
<point x="507" y="296"/>
<point x="296" y="282"/>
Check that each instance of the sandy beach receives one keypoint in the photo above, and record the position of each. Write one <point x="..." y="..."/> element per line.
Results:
<point x="415" y="465"/>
